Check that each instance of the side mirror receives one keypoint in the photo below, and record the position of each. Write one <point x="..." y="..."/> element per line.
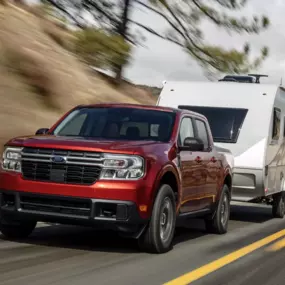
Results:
<point x="42" y="131"/>
<point x="193" y="144"/>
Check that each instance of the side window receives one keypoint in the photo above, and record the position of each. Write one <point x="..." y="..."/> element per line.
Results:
<point x="186" y="130"/>
<point x="276" y="124"/>
<point x="202" y="132"/>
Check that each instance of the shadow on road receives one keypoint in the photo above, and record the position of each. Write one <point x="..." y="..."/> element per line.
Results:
<point x="88" y="239"/>
<point x="251" y="213"/>
<point x="101" y="241"/>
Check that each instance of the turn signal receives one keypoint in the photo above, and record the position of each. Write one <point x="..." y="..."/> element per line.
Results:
<point x="143" y="208"/>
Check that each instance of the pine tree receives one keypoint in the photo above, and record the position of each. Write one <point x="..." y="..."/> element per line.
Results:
<point x="183" y="19"/>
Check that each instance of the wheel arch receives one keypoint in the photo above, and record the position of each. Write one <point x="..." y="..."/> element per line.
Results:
<point x="168" y="175"/>
<point x="228" y="181"/>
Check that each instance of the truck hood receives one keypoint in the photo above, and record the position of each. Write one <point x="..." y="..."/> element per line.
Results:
<point x="84" y="144"/>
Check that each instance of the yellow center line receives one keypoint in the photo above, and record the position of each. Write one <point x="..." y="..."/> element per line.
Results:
<point x="277" y="246"/>
<point x="223" y="261"/>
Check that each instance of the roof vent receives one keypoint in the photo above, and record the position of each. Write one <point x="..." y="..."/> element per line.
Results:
<point x="250" y="78"/>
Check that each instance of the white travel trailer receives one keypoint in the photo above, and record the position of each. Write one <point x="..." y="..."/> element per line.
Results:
<point x="249" y="120"/>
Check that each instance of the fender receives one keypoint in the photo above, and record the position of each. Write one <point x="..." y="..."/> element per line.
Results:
<point x="167" y="168"/>
<point x="227" y="170"/>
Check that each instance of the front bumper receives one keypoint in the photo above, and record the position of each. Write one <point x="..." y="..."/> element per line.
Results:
<point x="122" y="216"/>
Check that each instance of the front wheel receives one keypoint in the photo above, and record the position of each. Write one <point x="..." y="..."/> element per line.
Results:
<point x="17" y="230"/>
<point x="159" y="234"/>
<point x="219" y="223"/>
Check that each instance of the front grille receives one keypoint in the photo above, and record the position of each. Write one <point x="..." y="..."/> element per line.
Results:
<point x="56" y="206"/>
<point x="77" y="168"/>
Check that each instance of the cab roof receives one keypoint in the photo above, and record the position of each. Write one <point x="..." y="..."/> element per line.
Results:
<point x="139" y="106"/>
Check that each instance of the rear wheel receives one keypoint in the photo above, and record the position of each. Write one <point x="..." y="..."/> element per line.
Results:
<point x="219" y="223"/>
<point x="278" y="207"/>
<point x="158" y="236"/>
<point x="16" y="229"/>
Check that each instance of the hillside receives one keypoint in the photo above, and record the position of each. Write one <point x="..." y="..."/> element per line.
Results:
<point x="40" y="80"/>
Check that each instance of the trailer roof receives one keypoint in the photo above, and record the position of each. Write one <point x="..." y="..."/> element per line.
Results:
<point x="220" y="94"/>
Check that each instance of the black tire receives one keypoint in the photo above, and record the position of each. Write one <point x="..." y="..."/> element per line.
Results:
<point x="164" y="212"/>
<point x="218" y="224"/>
<point x="17" y="230"/>
<point x="278" y="207"/>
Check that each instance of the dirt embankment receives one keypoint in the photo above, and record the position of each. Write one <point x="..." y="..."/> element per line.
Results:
<point x="40" y="79"/>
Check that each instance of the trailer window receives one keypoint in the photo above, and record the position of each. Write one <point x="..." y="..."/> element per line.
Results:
<point x="276" y="124"/>
<point x="225" y="123"/>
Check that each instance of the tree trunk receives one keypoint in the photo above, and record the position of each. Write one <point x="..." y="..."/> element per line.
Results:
<point x="122" y="30"/>
<point x="119" y="74"/>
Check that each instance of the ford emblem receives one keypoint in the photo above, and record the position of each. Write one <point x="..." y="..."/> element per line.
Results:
<point x="58" y="159"/>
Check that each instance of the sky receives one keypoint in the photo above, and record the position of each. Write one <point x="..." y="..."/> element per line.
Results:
<point x="165" y="61"/>
<point x="161" y="60"/>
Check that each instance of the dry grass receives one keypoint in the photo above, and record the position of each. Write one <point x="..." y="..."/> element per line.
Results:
<point x="33" y="69"/>
<point x="59" y="34"/>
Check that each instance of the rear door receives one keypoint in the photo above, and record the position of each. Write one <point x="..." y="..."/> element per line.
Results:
<point x="210" y="164"/>
<point x="192" y="170"/>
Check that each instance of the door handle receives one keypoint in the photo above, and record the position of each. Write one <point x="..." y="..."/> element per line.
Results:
<point x="213" y="159"/>
<point x="198" y="159"/>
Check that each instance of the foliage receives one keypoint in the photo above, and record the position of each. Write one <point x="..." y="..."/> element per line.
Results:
<point x="184" y="19"/>
<point x="101" y="49"/>
<point x="49" y="11"/>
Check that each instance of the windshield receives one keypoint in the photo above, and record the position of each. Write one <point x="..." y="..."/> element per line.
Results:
<point x="118" y="124"/>
<point x="225" y="123"/>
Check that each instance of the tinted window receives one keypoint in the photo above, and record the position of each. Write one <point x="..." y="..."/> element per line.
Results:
<point x="73" y="127"/>
<point x="276" y="124"/>
<point x="186" y="130"/>
<point x="225" y="123"/>
<point x="118" y="124"/>
<point x="202" y="132"/>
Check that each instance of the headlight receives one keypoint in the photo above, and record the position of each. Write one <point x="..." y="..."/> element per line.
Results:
<point x="125" y="167"/>
<point x="11" y="159"/>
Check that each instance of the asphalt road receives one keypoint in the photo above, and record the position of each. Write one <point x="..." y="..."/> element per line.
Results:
<point x="62" y="255"/>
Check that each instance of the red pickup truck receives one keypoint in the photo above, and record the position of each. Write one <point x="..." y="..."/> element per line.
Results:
<point x="131" y="168"/>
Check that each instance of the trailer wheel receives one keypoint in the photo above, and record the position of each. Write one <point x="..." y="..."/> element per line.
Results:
<point x="278" y="207"/>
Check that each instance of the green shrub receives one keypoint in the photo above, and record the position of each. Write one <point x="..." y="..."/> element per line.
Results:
<point x="100" y="49"/>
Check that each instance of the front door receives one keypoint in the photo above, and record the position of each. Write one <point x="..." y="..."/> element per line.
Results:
<point x="192" y="171"/>
<point x="210" y="165"/>
<point x="273" y="153"/>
